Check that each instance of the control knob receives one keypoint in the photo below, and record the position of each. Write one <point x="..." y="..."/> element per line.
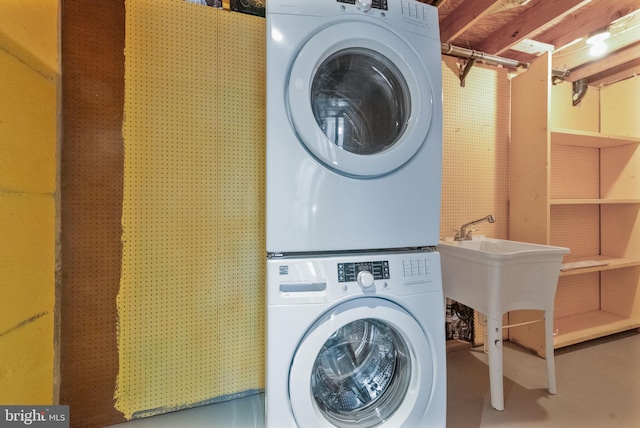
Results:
<point x="365" y="279"/>
<point x="363" y="5"/>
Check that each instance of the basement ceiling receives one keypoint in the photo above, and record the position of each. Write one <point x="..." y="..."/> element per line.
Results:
<point x="521" y="30"/>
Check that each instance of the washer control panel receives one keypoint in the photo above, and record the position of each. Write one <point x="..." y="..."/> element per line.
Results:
<point x="365" y="5"/>
<point x="348" y="272"/>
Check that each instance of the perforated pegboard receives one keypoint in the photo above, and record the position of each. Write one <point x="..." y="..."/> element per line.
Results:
<point x="475" y="180"/>
<point x="241" y="201"/>
<point x="191" y="293"/>
<point x="91" y="191"/>
<point x="575" y="172"/>
<point x="577" y="294"/>
<point x="576" y="227"/>
<point x="475" y="149"/>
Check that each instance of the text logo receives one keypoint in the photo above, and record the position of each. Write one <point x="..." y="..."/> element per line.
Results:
<point x="34" y="416"/>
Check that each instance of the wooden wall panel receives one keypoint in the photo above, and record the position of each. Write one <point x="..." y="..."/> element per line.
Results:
<point x="620" y="105"/>
<point x="92" y="185"/>
<point x="529" y="154"/>
<point x="563" y="114"/>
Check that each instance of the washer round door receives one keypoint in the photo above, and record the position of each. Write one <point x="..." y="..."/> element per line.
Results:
<point x="364" y="363"/>
<point x="360" y="99"/>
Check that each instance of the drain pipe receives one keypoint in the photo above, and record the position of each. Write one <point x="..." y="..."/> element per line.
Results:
<point x="580" y="88"/>
<point x="472" y="56"/>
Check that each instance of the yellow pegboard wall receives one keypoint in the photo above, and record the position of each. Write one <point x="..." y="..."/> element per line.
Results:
<point x="241" y="200"/>
<point x="191" y="294"/>
<point x="475" y="149"/>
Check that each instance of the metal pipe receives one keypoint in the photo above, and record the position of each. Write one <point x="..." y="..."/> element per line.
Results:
<point x="459" y="52"/>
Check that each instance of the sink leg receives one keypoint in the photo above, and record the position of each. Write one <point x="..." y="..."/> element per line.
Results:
<point x="494" y="335"/>
<point x="549" y="352"/>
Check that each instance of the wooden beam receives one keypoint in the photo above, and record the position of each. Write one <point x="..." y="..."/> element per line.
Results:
<point x="624" y="35"/>
<point x="530" y="22"/>
<point x="596" y="15"/>
<point x="615" y="59"/>
<point x="616" y="74"/>
<point x="463" y="17"/>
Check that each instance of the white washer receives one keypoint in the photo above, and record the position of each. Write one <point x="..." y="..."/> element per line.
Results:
<point x="354" y="125"/>
<point x="356" y="341"/>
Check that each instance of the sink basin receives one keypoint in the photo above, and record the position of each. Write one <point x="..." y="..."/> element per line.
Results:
<point x="495" y="276"/>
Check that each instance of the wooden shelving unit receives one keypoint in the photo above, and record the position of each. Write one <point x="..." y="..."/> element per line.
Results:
<point x="592" y="201"/>
<point x="577" y="189"/>
<point x="570" y="137"/>
<point x="590" y="325"/>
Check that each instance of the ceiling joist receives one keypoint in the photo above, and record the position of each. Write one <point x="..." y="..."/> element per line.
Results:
<point x="530" y="22"/>
<point x="463" y="18"/>
<point x="493" y="27"/>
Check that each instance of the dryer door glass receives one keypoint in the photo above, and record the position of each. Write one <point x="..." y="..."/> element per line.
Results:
<point x="360" y="100"/>
<point x="361" y="374"/>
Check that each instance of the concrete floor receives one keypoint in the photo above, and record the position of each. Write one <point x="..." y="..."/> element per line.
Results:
<point x="598" y="386"/>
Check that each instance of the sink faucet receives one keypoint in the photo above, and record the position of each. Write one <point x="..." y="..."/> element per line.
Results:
<point x="464" y="235"/>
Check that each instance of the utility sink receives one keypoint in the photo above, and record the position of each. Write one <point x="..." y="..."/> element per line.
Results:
<point x="495" y="276"/>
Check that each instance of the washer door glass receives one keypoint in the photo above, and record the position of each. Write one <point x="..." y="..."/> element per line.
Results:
<point x="361" y="374"/>
<point x="360" y="100"/>
<point x="363" y="363"/>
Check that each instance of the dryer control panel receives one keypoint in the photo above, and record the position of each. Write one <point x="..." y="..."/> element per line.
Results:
<point x="375" y="4"/>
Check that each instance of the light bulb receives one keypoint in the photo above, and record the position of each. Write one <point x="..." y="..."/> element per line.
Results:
<point x="597" y="49"/>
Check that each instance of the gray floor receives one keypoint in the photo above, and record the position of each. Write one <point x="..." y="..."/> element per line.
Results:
<point x="598" y="386"/>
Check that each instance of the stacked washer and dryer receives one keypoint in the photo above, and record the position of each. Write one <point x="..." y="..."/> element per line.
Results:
<point x="355" y="309"/>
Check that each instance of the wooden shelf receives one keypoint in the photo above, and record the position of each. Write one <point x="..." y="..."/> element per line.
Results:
<point x="593" y="201"/>
<point x="570" y="137"/>
<point x="594" y="179"/>
<point x="614" y="263"/>
<point x="591" y="325"/>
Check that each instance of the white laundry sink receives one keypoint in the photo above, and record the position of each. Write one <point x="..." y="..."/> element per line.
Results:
<point x="495" y="276"/>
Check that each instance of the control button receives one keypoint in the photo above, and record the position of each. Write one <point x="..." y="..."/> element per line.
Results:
<point x="365" y="279"/>
<point x="363" y="5"/>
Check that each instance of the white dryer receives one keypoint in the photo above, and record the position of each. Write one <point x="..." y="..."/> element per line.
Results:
<point x="354" y="125"/>
<point x="356" y="341"/>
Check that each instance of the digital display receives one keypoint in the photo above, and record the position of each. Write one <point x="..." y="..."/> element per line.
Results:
<point x="348" y="272"/>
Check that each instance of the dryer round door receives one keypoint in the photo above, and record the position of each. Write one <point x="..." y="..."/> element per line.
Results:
<point x="364" y="363"/>
<point x="360" y="99"/>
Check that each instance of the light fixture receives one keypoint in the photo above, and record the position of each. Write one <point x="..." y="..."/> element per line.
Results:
<point x="598" y="36"/>
<point x="596" y="41"/>
<point x="598" y="49"/>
